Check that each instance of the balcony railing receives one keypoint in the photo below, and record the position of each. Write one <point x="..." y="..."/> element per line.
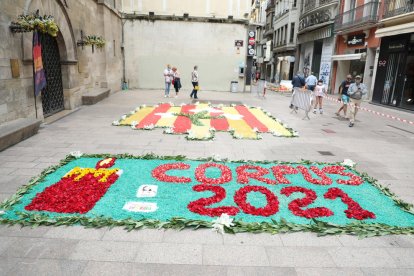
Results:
<point x="397" y="7"/>
<point x="363" y="14"/>
<point x="279" y="15"/>
<point x="325" y="2"/>
<point x="309" y="5"/>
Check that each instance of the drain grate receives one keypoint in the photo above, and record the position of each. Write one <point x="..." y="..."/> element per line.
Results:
<point x="326" y="153"/>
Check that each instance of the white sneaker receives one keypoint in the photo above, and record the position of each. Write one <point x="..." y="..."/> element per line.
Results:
<point x="314" y="111"/>
<point x="320" y="111"/>
<point x="165" y="96"/>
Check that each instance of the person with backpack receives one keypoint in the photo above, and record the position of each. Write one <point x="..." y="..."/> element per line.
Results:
<point x="355" y="91"/>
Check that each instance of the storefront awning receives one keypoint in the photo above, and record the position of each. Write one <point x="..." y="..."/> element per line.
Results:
<point x="395" y="30"/>
<point x="347" y="57"/>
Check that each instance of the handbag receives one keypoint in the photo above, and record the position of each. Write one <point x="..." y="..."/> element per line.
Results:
<point x="172" y="82"/>
<point x="197" y="88"/>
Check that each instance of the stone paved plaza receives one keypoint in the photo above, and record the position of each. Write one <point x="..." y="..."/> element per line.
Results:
<point x="382" y="147"/>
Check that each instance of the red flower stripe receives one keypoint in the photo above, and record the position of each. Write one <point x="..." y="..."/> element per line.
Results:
<point x="354" y="209"/>
<point x="152" y="118"/>
<point x="183" y="124"/>
<point x="243" y="175"/>
<point x="272" y="207"/>
<point x="296" y="205"/>
<point x="105" y="163"/>
<point x="70" y="196"/>
<point x="354" y="179"/>
<point x="220" y="124"/>
<point x="200" y="174"/>
<point x="250" y="119"/>
<point x="281" y="170"/>
<point x="159" y="173"/>
<point x="199" y="206"/>
<point x="325" y="180"/>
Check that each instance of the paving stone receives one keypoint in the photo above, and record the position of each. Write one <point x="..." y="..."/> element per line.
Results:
<point x="403" y="257"/>
<point x="18" y="231"/>
<point x="75" y="233"/>
<point x="299" y="257"/>
<point x="140" y="235"/>
<point x="169" y="253"/>
<point x="388" y="271"/>
<point x="108" y="268"/>
<point x="199" y="236"/>
<point x="6" y="264"/>
<point x="41" y="248"/>
<point x="48" y="267"/>
<point x="308" y="239"/>
<point x="182" y="270"/>
<point x="311" y="271"/>
<point x="233" y="255"/>
<point x="263" y="239"/>
<point x="361" y="257"/>
<point x="354" y="241"/>
<point x="19" y="165"/>
<point x="105" y="251"/>
<point x="260" y="271"/>
<point x="5" y="242"/>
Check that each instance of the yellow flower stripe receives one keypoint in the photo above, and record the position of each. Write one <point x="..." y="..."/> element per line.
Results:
<point x="81" y="172"/>
<point x="138" y="116"/>
<point x="169" y="122"/>
<point x="270" y="123"/>
<point x="241" y="128"/>
<point x="201" y="132"/>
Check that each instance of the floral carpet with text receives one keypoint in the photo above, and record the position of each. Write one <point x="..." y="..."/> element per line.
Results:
<point x="231" y="196"/>
<point x="200" y="121"/>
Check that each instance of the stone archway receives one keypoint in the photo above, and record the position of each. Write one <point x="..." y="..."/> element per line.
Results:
<point x="66" y="44"/>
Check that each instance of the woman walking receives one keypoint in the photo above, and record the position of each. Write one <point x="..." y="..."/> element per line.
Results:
<point x="176" y="81"/>
<point x="194" y="81"/>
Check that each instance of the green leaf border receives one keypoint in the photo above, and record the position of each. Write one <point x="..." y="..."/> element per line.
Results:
<point x="358" y="228"/>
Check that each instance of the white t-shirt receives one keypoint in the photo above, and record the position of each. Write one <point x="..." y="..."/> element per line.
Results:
<point x="168" y="75"/>
<point x="194" y="76"/>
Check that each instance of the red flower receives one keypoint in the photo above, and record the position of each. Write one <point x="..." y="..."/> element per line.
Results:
<point x="354" y="209"/>
<point x="199" y="206"/>
<point x="310" y="196"/>
<point x="324" y="181"/>
<point x="72" y="196"/>
<point x="355" y="180"/>
<point x="200" y="174"/>
<point x="243" y="175"/>
<point x="159" y="173"/>
<point x="272" y="207"/>
<point x="280" y="171"/>
<point x="105" y="163"/>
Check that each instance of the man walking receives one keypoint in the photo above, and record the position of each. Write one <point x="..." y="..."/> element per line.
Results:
<point x="194" y="81"/>
<point x="355" y="91"/>
<point x="311" y="82"/>
<point x="343" y="94"/>
<point x="168" y="76"/>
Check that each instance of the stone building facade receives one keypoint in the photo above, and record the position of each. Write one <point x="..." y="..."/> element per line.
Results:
<point x="77" y="69"/>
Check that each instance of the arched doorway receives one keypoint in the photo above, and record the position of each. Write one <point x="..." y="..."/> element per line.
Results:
<point x="52" y="95"/>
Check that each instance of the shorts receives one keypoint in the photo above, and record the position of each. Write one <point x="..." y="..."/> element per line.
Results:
<point x="345" y="99"/>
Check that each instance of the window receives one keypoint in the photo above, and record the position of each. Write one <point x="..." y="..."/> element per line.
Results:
<point x="285" y="37"/>
<point x="294" y="3"/>
<point x="292" y="32"/>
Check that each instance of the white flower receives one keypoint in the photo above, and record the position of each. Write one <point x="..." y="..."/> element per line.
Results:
<point x="268" y="114"/>
<point x="230" y="129"/>
<point x="238" y="136"/>
<point x="137" y="109"/>
<point x="285" y="125"/>
<point x="2" y="213"/>
<point x="144" y="105"/>
<point x="216" y="157"/>
<point x="132" y="112"/>
<point x="120" y="172"/>
<point x="255" y="129"/>
<point x="220" y="106"/>
<point x="219" y="223"/>
<point x="76" y="154"/>
<point x="123" y="117"/>
<point x="133" y="127"/>
<point x="259" y="137"/>
<point x="151" y="126"/>
<point x="348" y="162"/>
<point x="134" y="123"/>
<point x="169" y="130"/>
<point x="295" y="133"/>
<point x="212" y="129"/>
<point x="115" y="123"/>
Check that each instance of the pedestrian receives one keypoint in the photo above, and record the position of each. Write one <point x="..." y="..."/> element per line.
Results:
<point x="176" y="81"/>
<point x="311" y="82"/>
<point x="194" y="81"/>
<point x="355" y="91"/>
<point x="319" y="91"/>
<point x="168" y="77"/>
<point x="343" y="95"/>
<point x="297" y="82"/>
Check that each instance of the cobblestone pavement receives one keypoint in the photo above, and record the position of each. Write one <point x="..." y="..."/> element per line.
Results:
<point x="382" y="147"/>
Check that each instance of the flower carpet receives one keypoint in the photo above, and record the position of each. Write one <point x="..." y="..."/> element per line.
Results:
<point x="231" y="196"/>
<point x="201" y="121"/>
